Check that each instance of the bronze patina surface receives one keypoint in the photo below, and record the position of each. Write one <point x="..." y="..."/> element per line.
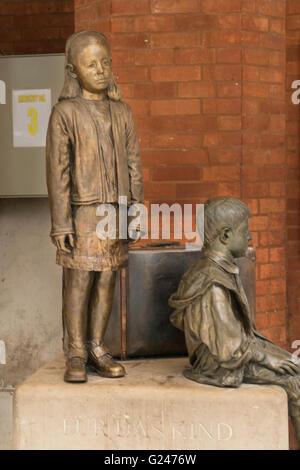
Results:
<point x="92" y="156"/>
<point x="211" y="307"/>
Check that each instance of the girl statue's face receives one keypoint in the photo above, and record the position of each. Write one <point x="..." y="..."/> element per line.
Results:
<point x="92" y="68"/>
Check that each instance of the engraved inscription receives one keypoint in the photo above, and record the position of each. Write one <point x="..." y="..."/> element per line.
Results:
<point x="152" y="428"/>
<point x="84" y="426"/>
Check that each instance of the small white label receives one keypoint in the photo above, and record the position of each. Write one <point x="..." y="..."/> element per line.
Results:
<point x="2" y="92"/>
<point x="2" y="352"/>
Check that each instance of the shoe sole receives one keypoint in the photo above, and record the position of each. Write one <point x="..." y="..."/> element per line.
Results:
<point x="74" y="379"/>
<point x="108" y="375"/>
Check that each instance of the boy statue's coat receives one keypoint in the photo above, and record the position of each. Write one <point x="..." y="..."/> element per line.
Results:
<point x="211" y="308"/>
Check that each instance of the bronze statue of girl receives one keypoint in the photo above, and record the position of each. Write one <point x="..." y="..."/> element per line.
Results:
<point x="92" y="157"/>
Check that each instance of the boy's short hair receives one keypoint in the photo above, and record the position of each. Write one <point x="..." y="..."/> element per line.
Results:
<point x="220" y="213"/>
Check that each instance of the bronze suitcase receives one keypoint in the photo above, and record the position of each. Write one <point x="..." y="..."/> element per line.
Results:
<point x="139" y="325"/>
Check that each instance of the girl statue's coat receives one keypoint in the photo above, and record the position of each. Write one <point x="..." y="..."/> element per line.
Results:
<point x="73" y="159"/>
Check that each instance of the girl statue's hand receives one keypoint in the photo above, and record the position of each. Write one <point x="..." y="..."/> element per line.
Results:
<point x="134" y="237"/>
<point x="64" y="242"/>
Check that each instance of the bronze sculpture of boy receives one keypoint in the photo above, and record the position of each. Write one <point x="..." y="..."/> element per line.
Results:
<point x="92" y="157"/>
<point x="211" y="307"/>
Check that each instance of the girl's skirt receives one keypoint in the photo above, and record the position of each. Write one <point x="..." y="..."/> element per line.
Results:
<point x="90" y="252"/>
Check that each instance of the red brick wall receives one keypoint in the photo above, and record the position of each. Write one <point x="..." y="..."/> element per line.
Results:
<point x="35" y="26"/>
<point x="92" y="14"/>
<point x="293" y="162"/>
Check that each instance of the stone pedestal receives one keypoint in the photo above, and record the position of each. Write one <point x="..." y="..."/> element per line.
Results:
<point x="153" y="407"/>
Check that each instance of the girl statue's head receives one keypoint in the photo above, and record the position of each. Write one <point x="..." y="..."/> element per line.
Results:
<point x="88" y="66"/>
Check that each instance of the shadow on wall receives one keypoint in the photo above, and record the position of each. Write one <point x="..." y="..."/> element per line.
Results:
<point x="30" y="290"/>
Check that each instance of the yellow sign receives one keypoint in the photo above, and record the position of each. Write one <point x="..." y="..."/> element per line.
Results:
<point x="31" y="111"/>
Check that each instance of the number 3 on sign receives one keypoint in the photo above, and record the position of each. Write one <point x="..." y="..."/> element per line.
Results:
<point x="33" y="126"/>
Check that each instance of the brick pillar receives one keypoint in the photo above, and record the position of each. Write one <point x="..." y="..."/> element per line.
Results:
<point x="264" y="156"/>
<point x="293" y="179"/>
<point x="206" y="82"/>
<point x="293" y="188"/>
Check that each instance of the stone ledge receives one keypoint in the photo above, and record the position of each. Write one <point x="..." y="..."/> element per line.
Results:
<point x="153" y="407"/>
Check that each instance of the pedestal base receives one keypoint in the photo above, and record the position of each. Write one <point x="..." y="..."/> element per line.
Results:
<point x="153" y="407"/>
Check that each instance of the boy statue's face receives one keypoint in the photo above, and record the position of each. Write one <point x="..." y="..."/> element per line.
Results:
<point x="238" y="239"/>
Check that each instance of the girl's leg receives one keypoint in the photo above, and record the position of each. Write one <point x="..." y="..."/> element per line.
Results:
<point x="77" y="288"/>
<point x="100" y="307"/>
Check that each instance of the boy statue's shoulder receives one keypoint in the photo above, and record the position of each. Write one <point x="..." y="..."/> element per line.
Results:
<point x="197" y="280"/>
<point x="205" y="273"/>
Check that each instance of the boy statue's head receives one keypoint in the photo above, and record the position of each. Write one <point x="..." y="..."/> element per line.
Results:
<point x="226" y="226"/>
